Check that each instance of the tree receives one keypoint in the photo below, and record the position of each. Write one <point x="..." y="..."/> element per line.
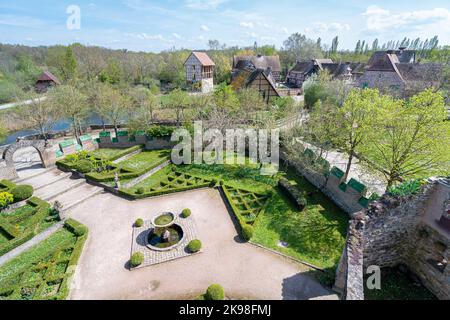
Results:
<point x="72" y="105"/>
<point x="41" y="113"/>
<point x="354" y="121"/>
<point x="225" y="98"/>
<point x="143" y="106"/>
<point x="297" y="46"/>
<point x="335" y="44"/>
<point x="63" y="60"/>
<point x="112" y="73"/>
<point x="178" y="101"/>
<point x="250" y="101"/>
<point x="375" y="45"/>
<point x="115" y="107"/>
<point x="410" y="139"/>
<point x="214" y="45"/>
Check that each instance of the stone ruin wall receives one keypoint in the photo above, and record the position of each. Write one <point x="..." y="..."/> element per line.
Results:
<point x="392" y="232"/>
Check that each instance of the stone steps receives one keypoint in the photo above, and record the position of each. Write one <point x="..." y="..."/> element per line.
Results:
<point x="58" y="188"/>
<point x="76" y="196"/>
<point x="46" y="179"/>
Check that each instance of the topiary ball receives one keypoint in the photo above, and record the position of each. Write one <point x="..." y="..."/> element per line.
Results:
<point x="139" y="223"/>
<point x="22" y="192"/>
<point x="137" y="259"/>
<point x="247" y="232"/>
<point x="194" y="246"/>
<point x="215" y="292"/>
<point x="186" y="213"/>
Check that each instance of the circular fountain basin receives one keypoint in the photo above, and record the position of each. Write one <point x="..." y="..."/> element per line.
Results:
<point x="156" y="242"/>
<point x="164" y="220"/>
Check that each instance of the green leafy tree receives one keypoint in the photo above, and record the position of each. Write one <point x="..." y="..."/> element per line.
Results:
<point x="410" y="139"/>
<point x="354" y="119"/>
<point x="112" y="74"/>
<point x="226" y="98"/>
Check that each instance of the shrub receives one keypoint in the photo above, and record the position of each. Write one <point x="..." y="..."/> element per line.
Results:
<point x="293" y="193"/>
<point x="22" y="192"/>
<point x="406" y="188"/>
<point x="139" y="223"/>
<point x="75" y="227"/>
<point x="160" y="131"/>
<point x="6" y="184"/>
<point x="84" y="166"/>
<point x="136" y="259"/>
<point x="247" y="232"/>
<point x="186" y="213"/>
<point x="6" y="199"/>
<point x="215" y="292"/>
<point x="140" y="190"/>
<point x="194" y="246"/>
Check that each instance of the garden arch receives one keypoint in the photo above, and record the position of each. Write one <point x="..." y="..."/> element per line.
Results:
<point x="10" y="171"/>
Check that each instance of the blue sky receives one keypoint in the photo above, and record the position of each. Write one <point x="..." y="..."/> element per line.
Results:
<point x="146" y="25"/>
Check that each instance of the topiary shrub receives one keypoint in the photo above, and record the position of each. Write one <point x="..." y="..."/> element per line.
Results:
<point x="84" y="166"/>
<point x="139" y="223"/>
<point x="293" y="193"/>
<point x="194" y="246"/>
<point x="22" y="192"/>
<point x="6" y="199"/>
<point x="140" y="190"/>
<point x="136" y="259"/>
<point x="75" y="227"/>
<point x="215" y="292"/>
<point x="247" y="232"/>
<point x="186" y="213"/>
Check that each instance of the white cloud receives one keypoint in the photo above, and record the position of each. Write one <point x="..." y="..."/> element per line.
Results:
<point x="205" y="28"/>
<point x="248" y="25"/>
<point x="322" y="27"/>
<point x="204" y="4"/>
<point x="285" y="30"/>
<point x="145" y="36"/>
<point x="379" y="19"/>
<point x="176" y="35"/>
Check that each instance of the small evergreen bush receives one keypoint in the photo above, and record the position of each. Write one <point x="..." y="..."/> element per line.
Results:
<point x="194" y="246"/>
<point x="186" y="213"/>
<point x="139" y="223"/>
<point x="137" y="259"/>
<point x="215" y="292"/>
<point x="21" y="192"/>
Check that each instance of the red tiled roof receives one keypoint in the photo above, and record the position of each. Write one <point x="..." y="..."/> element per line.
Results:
<point x="48" y="76"/>
<point x="204" y="59"/>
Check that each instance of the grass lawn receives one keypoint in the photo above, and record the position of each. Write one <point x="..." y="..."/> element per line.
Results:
<point x="397" y="286"/>
<point x="153" y="179"/>
<point x="144" y="160"/>
<point x="43" y="271"/>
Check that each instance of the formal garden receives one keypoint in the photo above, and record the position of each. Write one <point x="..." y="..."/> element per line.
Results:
<point x="27" y="216"/>
<point x="44" y="272"/>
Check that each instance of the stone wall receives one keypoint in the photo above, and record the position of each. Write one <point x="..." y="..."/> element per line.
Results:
<point x="399" y="230"/>
<point x="348" y="199"/>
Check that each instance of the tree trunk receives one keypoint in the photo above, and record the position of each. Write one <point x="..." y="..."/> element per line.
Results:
<point x="116" y="129"/>
<point x="349" y="165"/>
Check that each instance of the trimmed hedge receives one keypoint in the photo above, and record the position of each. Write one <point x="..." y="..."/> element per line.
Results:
<point x="186" y="213"/>
<point x="247" y="232"/>
<point x="194" y="246"/>
<point x="136" y="259"/>
<point x="215" y="292"/>
<point x="20" y="237"/>
<point x="7" y="185"/>
<point x="135" y="196"/>
<point x="75" y="227"/>
<point x="84" y="166"/>
<point x="293" y="193"/>
<point x="139" y="223"/>
<point x="21" y="192"/>
<point x="124" y="174"/>
<point x="13" y="290"/>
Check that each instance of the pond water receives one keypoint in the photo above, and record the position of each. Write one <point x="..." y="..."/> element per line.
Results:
<point x="61" y="125"/>
<point x="155" y="237"/>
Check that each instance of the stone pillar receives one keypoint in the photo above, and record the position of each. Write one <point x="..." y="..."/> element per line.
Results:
<point x="48" y="157"/>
